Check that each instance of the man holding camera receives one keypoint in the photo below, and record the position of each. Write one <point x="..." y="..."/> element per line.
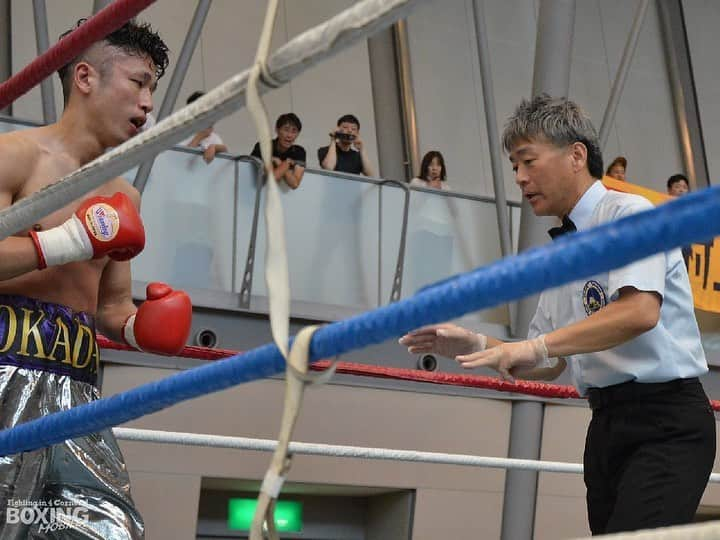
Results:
<point x="340" y="155"/>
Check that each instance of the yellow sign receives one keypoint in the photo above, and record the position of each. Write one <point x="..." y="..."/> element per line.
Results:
<point x="702" y="260"/>
<point x="704" y="271"/>
<point x="653" y="196"/>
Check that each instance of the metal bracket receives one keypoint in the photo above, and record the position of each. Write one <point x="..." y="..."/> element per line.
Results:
<point x="397" y="280"/>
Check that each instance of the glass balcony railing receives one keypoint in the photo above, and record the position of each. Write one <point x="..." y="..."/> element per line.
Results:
<point x="344" y="235"/>
<point x="189" y="210"/>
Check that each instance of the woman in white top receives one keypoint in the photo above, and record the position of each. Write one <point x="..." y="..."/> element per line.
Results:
<point x="432" y="172"/>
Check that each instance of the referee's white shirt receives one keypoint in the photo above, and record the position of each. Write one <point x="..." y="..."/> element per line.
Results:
<point x="669" y="351"/>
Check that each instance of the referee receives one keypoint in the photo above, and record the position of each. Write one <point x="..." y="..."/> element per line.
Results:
<point x="629" y="336"/>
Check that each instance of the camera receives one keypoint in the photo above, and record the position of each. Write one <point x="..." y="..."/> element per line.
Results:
<point x="339" y="135"/>
<point x="427" y="362"/>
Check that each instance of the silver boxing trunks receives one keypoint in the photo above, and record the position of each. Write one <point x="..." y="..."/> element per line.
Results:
<point x="79" y="488"/>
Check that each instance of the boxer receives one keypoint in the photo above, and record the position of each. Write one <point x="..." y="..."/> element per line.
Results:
<point x="68" y="276"/>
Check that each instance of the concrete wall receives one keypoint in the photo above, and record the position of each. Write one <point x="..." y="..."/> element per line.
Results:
<point x="448" y="92"/>
<point x="445" y="70"/>
<point x="451" y="501"/>
<point x="702" y="18"/>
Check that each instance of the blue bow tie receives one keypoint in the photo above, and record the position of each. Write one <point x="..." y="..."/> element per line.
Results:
<point x="567" y="227"/>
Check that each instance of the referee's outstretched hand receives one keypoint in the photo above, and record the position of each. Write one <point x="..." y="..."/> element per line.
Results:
<point x="505" y="357"/>
<point x="449" y="340"/>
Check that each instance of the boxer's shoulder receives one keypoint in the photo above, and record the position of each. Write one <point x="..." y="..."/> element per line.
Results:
<point x="25" y="142"/>
<point x="19" y="154"/>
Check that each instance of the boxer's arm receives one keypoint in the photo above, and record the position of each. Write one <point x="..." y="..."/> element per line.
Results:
<point x="115" y="303"/>
<point x="18" y="255"/>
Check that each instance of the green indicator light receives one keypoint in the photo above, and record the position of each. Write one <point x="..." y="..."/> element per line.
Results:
<point x="288" y="515"/>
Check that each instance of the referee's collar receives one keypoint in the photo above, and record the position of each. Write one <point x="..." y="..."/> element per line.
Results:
<point x="583" y="210"/>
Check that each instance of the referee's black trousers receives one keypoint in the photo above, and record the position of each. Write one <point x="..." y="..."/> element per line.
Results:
<point x="648" y="454"/>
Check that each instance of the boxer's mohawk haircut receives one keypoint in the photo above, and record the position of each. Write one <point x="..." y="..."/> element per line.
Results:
<point x="133" y="38"/>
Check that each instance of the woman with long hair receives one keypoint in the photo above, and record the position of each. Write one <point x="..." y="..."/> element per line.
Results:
<point x="432" y="172"/>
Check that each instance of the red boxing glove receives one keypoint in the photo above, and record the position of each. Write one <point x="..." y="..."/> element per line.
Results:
<point x="100" y="226"/>
<point x="161" y="323"/>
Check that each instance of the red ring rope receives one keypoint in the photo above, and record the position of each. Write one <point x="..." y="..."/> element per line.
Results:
<point x="200" y="353"/>
<point x="452" y="379"/>
<point x="97" y="27"/>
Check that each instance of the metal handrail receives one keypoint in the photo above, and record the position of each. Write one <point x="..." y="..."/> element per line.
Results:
<point x="400" y="264"/>
<point x="247" y="279"/>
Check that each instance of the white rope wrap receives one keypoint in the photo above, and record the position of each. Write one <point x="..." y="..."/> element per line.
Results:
<point x="278" y="283"/>
<point x="334" y="450"/>
<point x="296" y="56"/>
<point x="272" y="484"/>
<point x="277" y="274"/>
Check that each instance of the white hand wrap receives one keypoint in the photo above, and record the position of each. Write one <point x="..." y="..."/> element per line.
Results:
<point x="63" y="244"/>
<point x="128" y="332"/>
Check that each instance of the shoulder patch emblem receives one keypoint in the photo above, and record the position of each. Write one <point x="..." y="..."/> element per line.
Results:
<point x="594" y="297"/>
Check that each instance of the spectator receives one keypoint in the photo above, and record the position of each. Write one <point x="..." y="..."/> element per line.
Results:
<point x="339" y="155"/>
<point x="207" y="139"/>
<point x="432" y="172"/>
<point x="678" y="185"/>
<point x="288" y="158"/>
<point x="617" y="168"/>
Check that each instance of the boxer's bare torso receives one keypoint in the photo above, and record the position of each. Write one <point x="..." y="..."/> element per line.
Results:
<point x="35" y="159"/>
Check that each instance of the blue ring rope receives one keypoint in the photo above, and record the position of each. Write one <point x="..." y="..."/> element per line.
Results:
<point x="695" y="217"/>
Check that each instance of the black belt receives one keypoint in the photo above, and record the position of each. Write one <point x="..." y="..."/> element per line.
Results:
<point x="634" y="391"/>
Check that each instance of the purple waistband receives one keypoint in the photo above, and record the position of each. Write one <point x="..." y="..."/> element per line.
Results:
<point x="49" y="337"/>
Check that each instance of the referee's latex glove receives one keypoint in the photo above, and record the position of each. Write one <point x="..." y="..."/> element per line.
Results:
<point x="446" y="339"/>
<point x="522" y="354"/>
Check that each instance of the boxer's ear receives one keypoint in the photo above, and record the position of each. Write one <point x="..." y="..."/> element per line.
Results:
<point x="85" y="77"/>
